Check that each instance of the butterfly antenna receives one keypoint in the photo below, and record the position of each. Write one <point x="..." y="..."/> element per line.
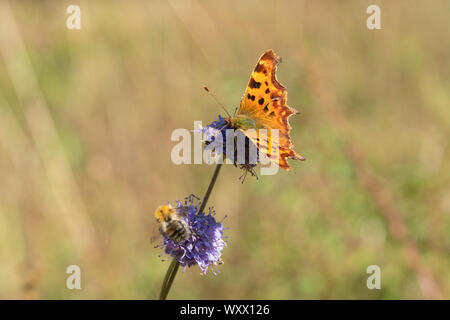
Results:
<point x="217" y="101"/>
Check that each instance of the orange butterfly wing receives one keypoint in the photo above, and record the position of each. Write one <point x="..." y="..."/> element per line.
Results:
<point x="264" y="101"/>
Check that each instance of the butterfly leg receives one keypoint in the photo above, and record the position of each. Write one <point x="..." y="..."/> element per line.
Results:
<point x="242" y="177"/>
<point x="247" y="168"/>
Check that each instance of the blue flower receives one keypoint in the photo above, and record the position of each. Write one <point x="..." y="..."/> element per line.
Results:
<point x="205" y="243"/>
<point x="217" y="129"/>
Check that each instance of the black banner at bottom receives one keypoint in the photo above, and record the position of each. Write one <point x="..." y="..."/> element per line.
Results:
<point x="224" y="309"/>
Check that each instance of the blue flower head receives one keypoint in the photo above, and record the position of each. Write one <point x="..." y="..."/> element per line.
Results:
<point x="212" y="130"/>
<point x="205" y="243"/>
<point x="216" y="130"/>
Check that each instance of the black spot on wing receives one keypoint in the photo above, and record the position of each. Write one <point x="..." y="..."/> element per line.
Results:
<point x="254" y="84"/>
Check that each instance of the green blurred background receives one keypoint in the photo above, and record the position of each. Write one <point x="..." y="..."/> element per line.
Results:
<point x="86" y="118"/>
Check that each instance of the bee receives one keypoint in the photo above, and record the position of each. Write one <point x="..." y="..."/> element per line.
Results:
<point x="172" y="223"/>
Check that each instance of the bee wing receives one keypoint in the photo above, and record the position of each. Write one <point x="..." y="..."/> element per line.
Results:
<point x="156" y="235"/>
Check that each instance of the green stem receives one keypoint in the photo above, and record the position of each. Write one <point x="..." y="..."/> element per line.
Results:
<point x="174" y="265"/>
<point x="168" y="279"/>
<point x="210" y="187"/>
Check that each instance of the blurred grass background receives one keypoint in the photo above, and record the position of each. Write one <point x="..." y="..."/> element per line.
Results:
<point x="85" y="124"/>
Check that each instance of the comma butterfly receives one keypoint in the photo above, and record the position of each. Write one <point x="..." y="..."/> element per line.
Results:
<point x="263" y="106"/>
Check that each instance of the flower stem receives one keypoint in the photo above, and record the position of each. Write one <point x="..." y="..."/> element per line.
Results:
<point x="210" y="187"/>
<point x="168" y="279"/>
<point x="174" y="265"/>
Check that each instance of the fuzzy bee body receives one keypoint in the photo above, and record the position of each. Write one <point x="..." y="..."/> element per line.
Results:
<point x="175" y="229"/>
<point x="172" y="223"/>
